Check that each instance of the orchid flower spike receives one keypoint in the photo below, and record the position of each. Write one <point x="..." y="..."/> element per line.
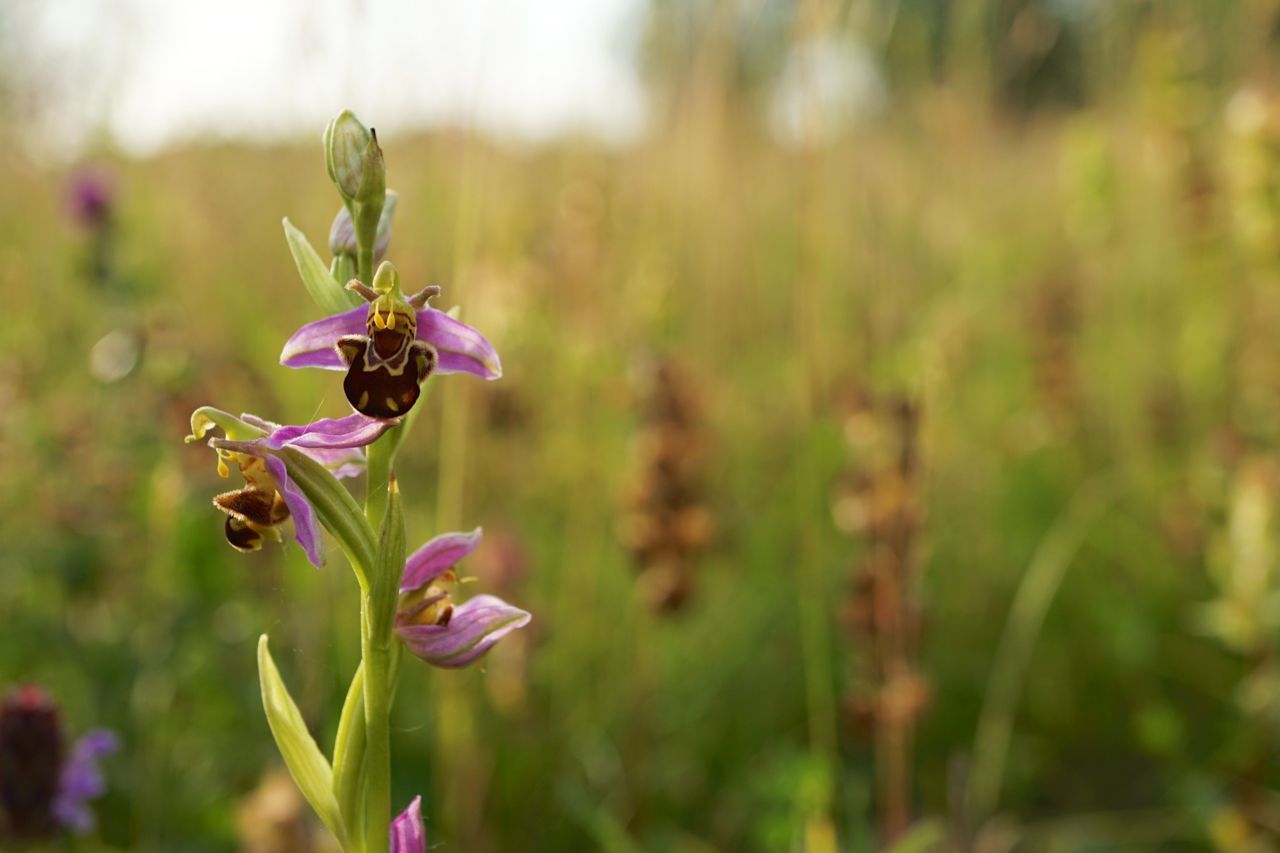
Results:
<point x="390" y="347"/>
<point x="427" y="620"/>
<point x="269" y="497"/>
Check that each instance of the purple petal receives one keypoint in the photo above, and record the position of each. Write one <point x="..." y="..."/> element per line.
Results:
<point x="261" y="423"/>
<point x="90" y="197"/>
<point x="81" y="780"/>
<point x="475" y="627"/>
<point x="462" y="349"/>
<point x="355" y="430"/>
<point x="348" y="470"/>
<point x="408" y="835"/>
<point x="306" y="528"/>
<point x="313" y="344"/>
<point x="437" y="557"/>
<point x="342" y="462"/>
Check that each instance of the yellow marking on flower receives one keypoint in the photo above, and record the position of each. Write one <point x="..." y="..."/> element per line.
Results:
<point x="393" y="405"/>
<point x="385" y="320"/>
<point x="364" y="400"/>
<point x="429" y="605"/>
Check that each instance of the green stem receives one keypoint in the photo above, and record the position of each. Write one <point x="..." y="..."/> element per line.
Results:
<point x="364" y="264"/>
<point x="377" y="616"/>
<point x="377" y="763"/>
<point x="1036" y="591"/>
<point x="380" y="455"/>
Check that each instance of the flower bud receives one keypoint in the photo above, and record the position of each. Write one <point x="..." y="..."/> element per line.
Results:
<point x="354" y="160"/>
<point x="342" y="234"/>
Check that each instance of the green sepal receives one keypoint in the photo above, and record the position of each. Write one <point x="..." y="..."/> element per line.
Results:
<point x="389" y="566"/>
<point x="348" y="756"/>
<point x="329" y="293"/>
<point x="336" y="509"/>
<point x="206" y="418"/>
<point x="306" y="763"/>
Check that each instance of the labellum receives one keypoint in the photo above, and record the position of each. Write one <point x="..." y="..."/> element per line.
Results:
<point x="386" y="367"/>
<point x="253" y="514"/>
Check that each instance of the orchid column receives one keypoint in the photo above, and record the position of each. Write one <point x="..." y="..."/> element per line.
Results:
<point x="387" y="344"/>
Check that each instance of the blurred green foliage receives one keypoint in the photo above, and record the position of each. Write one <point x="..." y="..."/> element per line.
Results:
<point x="1081" y="302"/>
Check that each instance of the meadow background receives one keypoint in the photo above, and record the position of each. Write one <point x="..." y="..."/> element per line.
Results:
<point x="978" y="382"/>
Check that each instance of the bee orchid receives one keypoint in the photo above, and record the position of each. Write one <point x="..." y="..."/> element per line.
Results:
<point x="427" y="620"/>
<point x="269" y="497"/>
<point x="387" y="347"/>
<point x="390" y="347"/>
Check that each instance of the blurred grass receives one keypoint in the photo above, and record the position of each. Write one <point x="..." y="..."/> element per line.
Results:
<point x="909" y="256"/>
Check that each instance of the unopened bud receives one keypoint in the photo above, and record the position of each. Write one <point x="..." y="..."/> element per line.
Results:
<point x="354" y="160"/>
<point x="342" y="234"/>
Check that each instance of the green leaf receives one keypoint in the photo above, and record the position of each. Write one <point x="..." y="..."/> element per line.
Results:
<point x="342" y="269"/>
<point x="336" y="509"/>
<point x="388" y="567"/>
<point x="348" y="756"/>
<point x="328" y="293"/>
<point x="306" y="763"/>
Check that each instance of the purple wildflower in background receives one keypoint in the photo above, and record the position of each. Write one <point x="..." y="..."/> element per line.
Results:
<point x="82" y="780"/>
<point x="42" y="787"/>
<point x="427" y="621"/>
<point x="89" y="199"/>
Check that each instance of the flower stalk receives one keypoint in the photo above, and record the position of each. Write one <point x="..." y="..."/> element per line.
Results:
<point x="380" y="614"/>
<point x="389" y="346"/>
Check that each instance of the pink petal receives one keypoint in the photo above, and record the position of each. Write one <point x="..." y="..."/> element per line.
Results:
<point x="313" y="344"/>
<point x="342" y="462"/>
<point x="306" y="528"/>
<point x="354" y="430"/>
<point x="474" y="628"/>
<point x="462" y="349"/>
<point x="437" y="557"/>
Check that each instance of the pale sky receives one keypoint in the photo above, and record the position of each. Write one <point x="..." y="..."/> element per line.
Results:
<point x="151" y="72"/>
